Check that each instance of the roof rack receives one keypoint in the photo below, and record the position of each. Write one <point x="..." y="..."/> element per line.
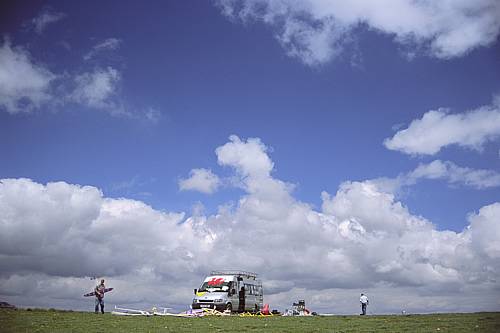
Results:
<point x="237" y="273"/>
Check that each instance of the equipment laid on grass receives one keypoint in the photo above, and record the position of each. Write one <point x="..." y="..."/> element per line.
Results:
<point x="133" y="312"/>
<point x="191" y="313"/>
<point x="262" y="313"/>
<point x="93" y="293"/>
<point x="258" y="314"/>
<point x="298" y="309"/>
<point x="130" y="312"/>
<point x="164" y="313"/>
<point x="154" y="312"/>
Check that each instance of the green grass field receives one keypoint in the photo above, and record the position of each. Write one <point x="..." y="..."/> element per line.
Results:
<point x="66" y="321"/>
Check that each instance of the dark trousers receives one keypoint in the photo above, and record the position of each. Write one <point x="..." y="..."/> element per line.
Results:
<point x="241" y="308"/>
<point x="363" y="308"/>
<point x="99" y="302"/>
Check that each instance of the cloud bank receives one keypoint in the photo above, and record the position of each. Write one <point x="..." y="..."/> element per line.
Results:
<point x="362" y="239"/>
<point x="316" y="31"/>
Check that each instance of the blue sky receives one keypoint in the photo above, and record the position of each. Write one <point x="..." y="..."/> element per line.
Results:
<point x="178" y="78"/>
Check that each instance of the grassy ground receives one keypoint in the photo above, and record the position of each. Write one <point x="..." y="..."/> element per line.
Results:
<point x="64" y="321"/>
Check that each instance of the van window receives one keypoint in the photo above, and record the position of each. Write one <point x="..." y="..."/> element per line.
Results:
<point x="249" y="289"/>
<point x="215" y="285"/>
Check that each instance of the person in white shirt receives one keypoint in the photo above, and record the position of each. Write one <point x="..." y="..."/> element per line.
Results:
<point x="364" y="302"/>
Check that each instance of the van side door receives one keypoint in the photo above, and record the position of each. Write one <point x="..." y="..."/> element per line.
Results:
<point x="250" y="300"/>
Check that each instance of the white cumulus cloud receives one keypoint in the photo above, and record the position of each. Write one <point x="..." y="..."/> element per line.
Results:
<point x="24" y="84"/>
<point x="248" y="157"/>
<point x="202" y="180"/>
<point x="363" y="239"/>
<point x="315" y="31"/>
<point x="439" y="128"/>
<point x="485" y="231"/>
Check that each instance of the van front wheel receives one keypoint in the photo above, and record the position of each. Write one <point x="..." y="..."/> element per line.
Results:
<point x="229" y="307"/>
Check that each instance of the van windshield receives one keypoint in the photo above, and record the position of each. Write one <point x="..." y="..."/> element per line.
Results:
<point x="215" y="285"/>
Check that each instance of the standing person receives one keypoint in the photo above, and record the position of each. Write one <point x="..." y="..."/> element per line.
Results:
<point x="99" y="297"/>
<point x="364" y="303"/>
<point x="241" y="296"/>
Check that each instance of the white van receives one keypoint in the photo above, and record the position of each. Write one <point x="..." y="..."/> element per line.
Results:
<point x="223" y="290"/>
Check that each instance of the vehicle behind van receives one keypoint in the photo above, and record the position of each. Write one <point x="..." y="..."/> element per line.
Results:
<point x="223" y="290"/>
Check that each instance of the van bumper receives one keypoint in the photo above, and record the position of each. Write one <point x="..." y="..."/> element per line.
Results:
<point x="218" y="307"/>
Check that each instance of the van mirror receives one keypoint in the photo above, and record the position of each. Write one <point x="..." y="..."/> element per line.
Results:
<point x="195" y="291"/>
<point x="233" y="291"/>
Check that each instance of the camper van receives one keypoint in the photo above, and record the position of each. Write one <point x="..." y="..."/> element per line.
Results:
<point x="223" y="290"/>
